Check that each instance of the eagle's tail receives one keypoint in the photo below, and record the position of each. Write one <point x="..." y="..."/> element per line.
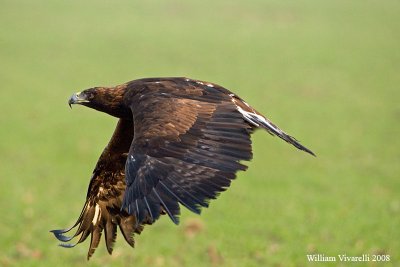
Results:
<point x="259" y="121"/>
<point x="95" y="218"/>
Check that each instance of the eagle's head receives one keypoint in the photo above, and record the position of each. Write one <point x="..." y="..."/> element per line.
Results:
<point x="105" y="99"/>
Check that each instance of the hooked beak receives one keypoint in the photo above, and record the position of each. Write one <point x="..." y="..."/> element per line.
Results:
<point x="77" y="98"/>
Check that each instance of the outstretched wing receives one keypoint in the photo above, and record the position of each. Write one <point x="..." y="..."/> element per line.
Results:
<point x="187" y="147"/>
<point x="102" y="210"/>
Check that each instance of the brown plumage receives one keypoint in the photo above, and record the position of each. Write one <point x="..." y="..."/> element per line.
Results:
<point x="178" y="141"/>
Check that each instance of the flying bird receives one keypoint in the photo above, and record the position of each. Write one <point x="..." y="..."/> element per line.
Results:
<point x="178" y="141"/>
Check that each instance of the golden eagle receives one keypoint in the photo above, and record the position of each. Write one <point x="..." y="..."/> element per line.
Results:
<point x="177" y="141"/>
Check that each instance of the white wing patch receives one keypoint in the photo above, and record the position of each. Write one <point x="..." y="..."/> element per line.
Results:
<point x="257" y="119"/>
<point x="253" y="117"/>
<point x="248" y="116"/>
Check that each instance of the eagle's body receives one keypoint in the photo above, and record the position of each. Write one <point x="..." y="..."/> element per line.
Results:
<point x="178" y="141"/>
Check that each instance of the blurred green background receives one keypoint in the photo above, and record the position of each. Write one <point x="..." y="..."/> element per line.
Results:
<point x="327" y="72"/>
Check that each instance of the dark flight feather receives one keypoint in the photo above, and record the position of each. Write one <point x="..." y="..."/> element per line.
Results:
<point x="178" y="141"/>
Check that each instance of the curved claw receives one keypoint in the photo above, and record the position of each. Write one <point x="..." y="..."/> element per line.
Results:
<point x="59" y="235"/>
<point x="67" y="245"/>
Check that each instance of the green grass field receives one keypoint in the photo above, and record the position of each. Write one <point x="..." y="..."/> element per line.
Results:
<point x="327" y="72"/>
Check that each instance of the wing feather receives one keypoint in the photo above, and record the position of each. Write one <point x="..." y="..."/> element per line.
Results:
<point x="185" y="150"/>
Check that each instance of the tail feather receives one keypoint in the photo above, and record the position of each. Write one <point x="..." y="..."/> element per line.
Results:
<point x="94" y="240"/>
<point x="110" y="234"/>
<point x="127" y="227"/>
<point x="94" y="218"/>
